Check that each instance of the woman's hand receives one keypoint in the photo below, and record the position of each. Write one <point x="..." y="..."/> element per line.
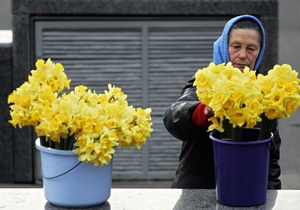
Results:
<point x="208" y="111"/>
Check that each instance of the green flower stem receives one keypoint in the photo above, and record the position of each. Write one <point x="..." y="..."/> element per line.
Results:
<point x="43" y="141"/>
<point x="237" y="134"/>
<point x="67" y="144"/>
<point x="227" y="130"/>
<point x="231" y="133"/>
<point x="266" y="128"/>
<point x="57" y="145"/>
<point x="64" y="144"/>
<point x="71" y="142"/>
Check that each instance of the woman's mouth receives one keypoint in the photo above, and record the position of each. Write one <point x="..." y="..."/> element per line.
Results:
<point x="240" y="66"/>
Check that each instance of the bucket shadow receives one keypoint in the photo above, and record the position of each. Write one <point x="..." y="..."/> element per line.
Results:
<point x="104" y="206"/>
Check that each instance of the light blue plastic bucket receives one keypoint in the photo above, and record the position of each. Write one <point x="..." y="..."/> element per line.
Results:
<point x="68" y="182"/>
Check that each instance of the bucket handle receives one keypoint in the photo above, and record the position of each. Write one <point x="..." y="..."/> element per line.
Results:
<point x="272" y="142"/>
<point x="53" y="177"/>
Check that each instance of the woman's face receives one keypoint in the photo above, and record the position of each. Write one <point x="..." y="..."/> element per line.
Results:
<point x="243" y="47"/>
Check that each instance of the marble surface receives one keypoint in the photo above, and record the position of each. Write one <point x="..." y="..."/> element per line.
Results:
<point x="147" y="199"/>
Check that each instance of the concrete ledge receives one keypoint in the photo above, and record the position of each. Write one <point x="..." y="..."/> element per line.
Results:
<point x="5" y="37"/>
<point x="136" y="199"/>
<point x="5" y="48"/>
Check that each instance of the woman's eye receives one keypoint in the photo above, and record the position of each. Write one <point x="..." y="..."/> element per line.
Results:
<point x="251" y="49"/>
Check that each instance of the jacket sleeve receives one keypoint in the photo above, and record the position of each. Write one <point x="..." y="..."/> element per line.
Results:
<point x="178" y="117"/>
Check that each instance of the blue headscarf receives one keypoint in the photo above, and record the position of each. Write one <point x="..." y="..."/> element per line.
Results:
<point x="221" y="54"/>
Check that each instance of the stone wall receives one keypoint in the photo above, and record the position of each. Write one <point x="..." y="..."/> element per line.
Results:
<point x="6" y="131"/>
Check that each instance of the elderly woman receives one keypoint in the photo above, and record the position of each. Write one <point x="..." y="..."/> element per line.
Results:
<point x="243" y="44"/>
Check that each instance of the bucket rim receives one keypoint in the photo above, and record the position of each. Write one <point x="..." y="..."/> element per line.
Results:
<point x="211" y="135"/>
<point x="51" y="150"/>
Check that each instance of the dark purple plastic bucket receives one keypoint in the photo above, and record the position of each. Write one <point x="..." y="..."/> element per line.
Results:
<point x="241" y="169"/>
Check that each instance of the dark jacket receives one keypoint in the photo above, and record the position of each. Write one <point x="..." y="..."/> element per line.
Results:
<point x="196" y="161"/>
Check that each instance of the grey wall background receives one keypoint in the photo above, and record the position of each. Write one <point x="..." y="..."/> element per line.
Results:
<point x="289" y="43"/>
<point x="5" y="15"/>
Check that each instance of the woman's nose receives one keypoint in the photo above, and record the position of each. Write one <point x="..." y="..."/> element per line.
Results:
<point x="243" y="54"/>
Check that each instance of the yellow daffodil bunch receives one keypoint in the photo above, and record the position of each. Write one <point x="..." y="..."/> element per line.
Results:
<point x="41" y="89"/>
<point x="280" y="95"/>
<point x="232" y="95"/>
<point x="280" y="90"/>
<point x="241" y="99"/>
<point x="91" y="124"/>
